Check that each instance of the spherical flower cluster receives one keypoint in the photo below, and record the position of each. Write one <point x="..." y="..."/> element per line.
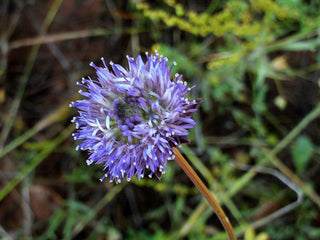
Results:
<point x="131" y="119"/>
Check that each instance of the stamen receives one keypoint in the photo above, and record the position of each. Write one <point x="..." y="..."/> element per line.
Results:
<point x="108" y="122"/>
<point x="104" y="63"/>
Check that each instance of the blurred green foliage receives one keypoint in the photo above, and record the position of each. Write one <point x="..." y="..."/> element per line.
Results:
<point x="301" y="152"/>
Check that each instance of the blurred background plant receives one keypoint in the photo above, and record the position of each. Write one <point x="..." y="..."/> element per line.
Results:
<point x="256" y="66"/>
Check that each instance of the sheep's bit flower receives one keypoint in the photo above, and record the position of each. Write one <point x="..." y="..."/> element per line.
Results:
<point x="131" y="119"/>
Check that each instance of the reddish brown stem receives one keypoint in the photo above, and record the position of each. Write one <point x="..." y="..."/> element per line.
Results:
<point x="205" y="192"/>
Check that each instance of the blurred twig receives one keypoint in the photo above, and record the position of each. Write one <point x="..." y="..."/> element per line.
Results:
<point x="14" y="19"/>
<point x="27" y="212"/>
<point x="293" y="177"/>
<point x="26" y="74"/>
<point x="229" y="141"/>
<point x="57" y="37"/>
<point x="273" y="216"/>
<point x="192" y="220"/>
<point x="7" y="26"/>
<point x="35" y="162"/>
<point x="4" y="234"/>
<point x="136" y="216"/>
<point x="62" y="60"/>
<point x="206" y="173"/>
<point x="278" y="148"/>
<point x="309" y="32"/>
<point x="60" y="114"/>
<point x="98" y="207"/>
<point x="199" y="165"/>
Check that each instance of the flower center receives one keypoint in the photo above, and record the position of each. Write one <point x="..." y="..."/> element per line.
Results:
<point x="128" y="116"/>
<point x="135" y="112"/>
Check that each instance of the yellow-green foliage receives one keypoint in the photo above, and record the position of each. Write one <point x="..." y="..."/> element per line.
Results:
<point x="271" y="7"/>
<point x="251" y="24"/>
<point x="237" y="17"/>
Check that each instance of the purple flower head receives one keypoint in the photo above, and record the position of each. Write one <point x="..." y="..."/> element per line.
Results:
<point x="131" y="119"/>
